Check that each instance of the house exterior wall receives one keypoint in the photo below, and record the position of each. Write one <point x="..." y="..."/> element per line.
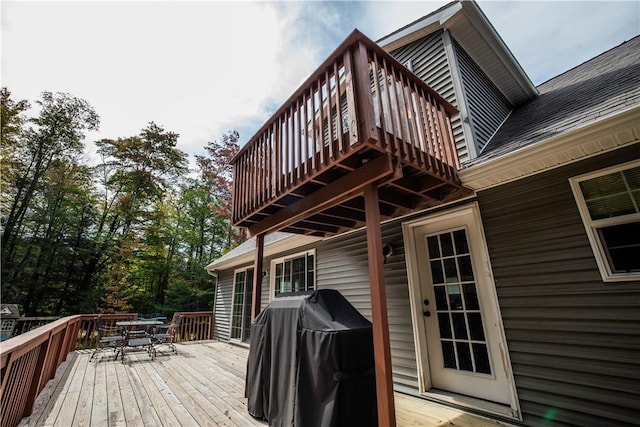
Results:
<point x="429" y="61"/>
<point x="487" y="107"/>
<point x="343" y="265"/>
<point x="573" y="339"/>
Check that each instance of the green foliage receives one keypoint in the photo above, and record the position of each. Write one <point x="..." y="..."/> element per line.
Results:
<point x="132" y="233"/>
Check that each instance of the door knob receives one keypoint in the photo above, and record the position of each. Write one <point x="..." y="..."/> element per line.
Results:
<point x="427" y="313"/>
<point x="426" y="302"/>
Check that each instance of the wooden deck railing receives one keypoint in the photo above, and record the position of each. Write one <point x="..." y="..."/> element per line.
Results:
<point x="359" y="96"/>
<point x="29" y="360"/>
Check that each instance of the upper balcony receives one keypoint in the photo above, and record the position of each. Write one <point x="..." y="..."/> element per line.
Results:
<point x="361" y="118"/>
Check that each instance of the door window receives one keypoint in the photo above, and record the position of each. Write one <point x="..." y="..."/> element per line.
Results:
<point x="462" y="337"/>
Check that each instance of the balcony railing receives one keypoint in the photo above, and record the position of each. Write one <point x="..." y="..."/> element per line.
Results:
<point x="29" y="360"/>
<point x="360" y="99"/>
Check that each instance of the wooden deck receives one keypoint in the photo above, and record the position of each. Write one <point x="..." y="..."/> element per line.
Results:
<point x="203" y="385"/>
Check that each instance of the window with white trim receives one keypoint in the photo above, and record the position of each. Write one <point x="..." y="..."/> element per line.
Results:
<point x="609" y="204"/>
<point x="293" y="273"/>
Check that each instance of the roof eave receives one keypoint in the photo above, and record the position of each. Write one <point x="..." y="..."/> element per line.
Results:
<point x="615" y="131"/>
<point x="473" y="31"/>
<point x="290" y="242"/>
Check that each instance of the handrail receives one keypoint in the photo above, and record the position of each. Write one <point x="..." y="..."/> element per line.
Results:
<point x="29" y="360"/>
<point x="359" y="96"/>
<point x="193" y="326"/>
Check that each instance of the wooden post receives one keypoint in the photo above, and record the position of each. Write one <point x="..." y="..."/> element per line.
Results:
<point x="381" y="346"/>
<point x="257" y="277"/>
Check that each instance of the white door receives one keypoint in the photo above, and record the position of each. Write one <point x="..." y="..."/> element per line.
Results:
<point x="455" y="308"/>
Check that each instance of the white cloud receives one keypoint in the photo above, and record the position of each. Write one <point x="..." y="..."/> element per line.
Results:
<point x="203" y="68"/>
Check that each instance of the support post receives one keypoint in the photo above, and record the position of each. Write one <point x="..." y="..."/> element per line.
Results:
<point x="257" y="277"/>
<point x="381" y="346"/>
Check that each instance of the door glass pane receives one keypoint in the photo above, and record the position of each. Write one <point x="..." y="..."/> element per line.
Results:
<point x="248" y="295"/>
<point x="445" y="325"/>
<point x="436" y="272"/>
<point x="470" y="297"/>
<point x="450" y="270"/>
<point x="459" y="326"/>
<point x="455" y="299"/>
<point x="475" y="326"/>
<point x="237" y="305"/>
<point x="466" y="271"/>
<point x="460" y="238"/>
<point x="441" y="298"/>
<point x="447" y="244"/>
<point x="434" y="249"/>
<point x="464" y="356"/>
<point x="481" y="358"/>
<point x="462" y="338"/>
<point x="449" y="355"/>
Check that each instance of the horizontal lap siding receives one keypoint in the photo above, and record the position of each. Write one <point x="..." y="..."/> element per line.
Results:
<point x="342" y="264"/>
<point x="574" y="341"/>
<point x="429" y="62"/>
<point x="222" y="309"/>
<point x="487" y="106"/>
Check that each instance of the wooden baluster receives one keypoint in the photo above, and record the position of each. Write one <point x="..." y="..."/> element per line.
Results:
<point x="414" y="112"/>
<point x="298" y="131"/>
<point x="331" y="154"/>
<point x="376" y="81"/>
<point x="424" y="127"/>
<point x="395" y="107"/>
<point x="395" y="143"/>
<point x="342" y="147"/>
<point x="278" y="147"/>
<point x="321" y="122"/>
<point x="351" y="99"/>
<point x="404" y="86"/>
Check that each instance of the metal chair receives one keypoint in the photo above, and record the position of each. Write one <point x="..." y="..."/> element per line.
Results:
<point x="136" y="339"/>
<point x="109" y="338"/>
<point x="166" y="334"/>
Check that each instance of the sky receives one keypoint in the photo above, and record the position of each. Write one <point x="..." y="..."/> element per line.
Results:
<point x="203" y="68"/>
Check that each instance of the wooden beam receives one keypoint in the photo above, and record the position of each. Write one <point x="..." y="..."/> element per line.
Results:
<point x="343" y="188"/>
<point x="381" y="344"/>
<point x="257" y="277"/>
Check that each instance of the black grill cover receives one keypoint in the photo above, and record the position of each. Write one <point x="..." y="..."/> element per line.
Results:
<point x="311" y="363"/>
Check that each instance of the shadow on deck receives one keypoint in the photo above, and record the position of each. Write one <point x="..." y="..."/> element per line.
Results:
<point x="202" y="385"/>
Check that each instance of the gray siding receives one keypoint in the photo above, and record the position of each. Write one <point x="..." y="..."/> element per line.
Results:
<point x="574" y="341"/>
<point x="343" y="265"/>
<point x="429" y="62"/>
<point x="487" y="106"/>
<point x="222" y="308"/>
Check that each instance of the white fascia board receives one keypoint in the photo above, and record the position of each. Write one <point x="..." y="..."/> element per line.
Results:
<point x="497" y="49"/>
<point x="420" y="28"/>
<point x="609" y="133"/>
<point x="288" y="243"/>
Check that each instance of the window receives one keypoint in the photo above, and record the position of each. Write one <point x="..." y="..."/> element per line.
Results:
<point x="462" y="337"/>
<point x="293" y="273"/>
<point x="609" y="204"/>
<point x="241" y="306"/>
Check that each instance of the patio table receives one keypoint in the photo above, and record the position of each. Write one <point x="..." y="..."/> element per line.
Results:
<point x="137" y="338"/>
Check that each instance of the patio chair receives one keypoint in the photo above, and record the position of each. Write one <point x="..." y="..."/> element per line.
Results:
<point x="166" y="334"/>
<point x="109" y="338"/>
<point x="137" y="339"/>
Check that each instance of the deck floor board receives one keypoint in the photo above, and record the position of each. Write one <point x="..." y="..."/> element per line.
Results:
<point x="201" y="385"/>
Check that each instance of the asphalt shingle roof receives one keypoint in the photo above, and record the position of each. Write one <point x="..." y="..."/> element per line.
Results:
<point x="604" y="85"/>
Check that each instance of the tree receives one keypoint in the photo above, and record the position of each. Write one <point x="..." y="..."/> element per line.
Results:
<point x="139" y="171"/>
<point x="217" y="172"/>
<point x="57" y="134"/>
